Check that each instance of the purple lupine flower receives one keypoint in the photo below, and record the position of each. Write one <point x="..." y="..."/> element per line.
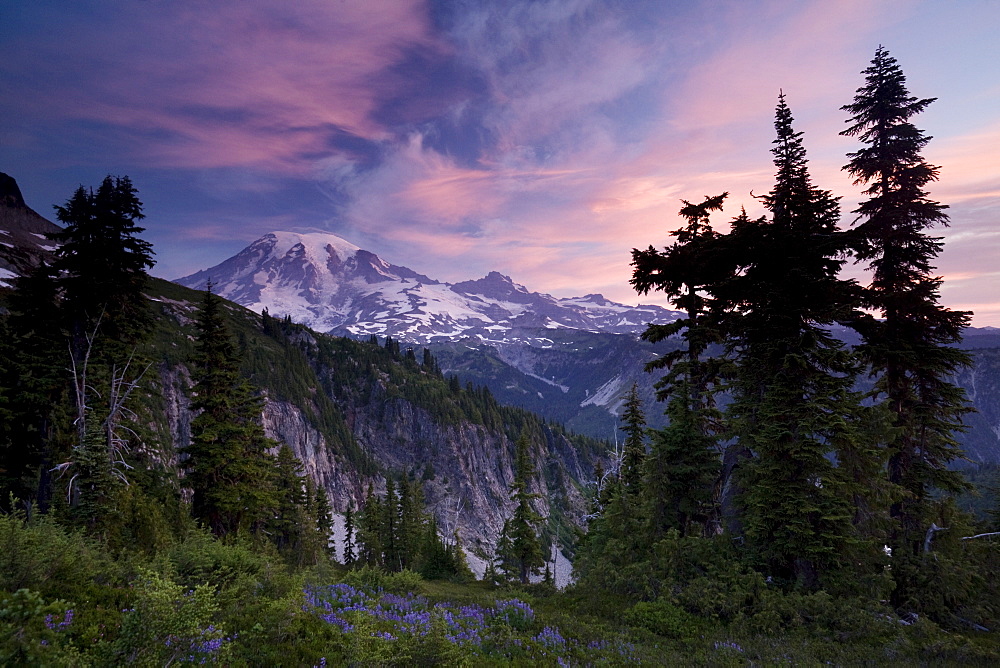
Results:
<point x="727" y="645"/>
<point x="514" y="612"/>
<point x="551" y="638"/>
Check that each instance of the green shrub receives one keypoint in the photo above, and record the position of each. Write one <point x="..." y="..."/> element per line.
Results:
<point x="169" y="624"/>
<point x="663" y="618"/>
<point x="368" y="577"/>
<point x="41" y="555"/>
<point x="35" y="633"/>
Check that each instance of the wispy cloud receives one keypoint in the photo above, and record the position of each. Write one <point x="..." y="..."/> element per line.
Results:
<point x="222" y="83"/>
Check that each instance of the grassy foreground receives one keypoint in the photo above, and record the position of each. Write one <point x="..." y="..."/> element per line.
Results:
<point x="68" y="600"/>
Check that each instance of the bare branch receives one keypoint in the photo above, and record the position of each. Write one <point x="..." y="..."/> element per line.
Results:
<point x="931" y="530"/>
<point x="981" y="535"/>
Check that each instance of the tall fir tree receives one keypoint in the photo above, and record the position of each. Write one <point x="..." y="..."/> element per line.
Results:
<point x="228" y="467"/>
<point x="37" y="385"/>
<point x="392" y="550"/>
<point x="350" y="549"/>
<point x="291" y="526"/>
<point x="89" y="303"/>
<point x="371" y="531"/>
<point x="634" y="448"/>
<point x="793" y="388"/>
<point x="910" y="347"/>
<point x="323" y="514"/>
<point x="520" y="552"/>
<point x="102" y="262"/>
<point x="683" y="465"/>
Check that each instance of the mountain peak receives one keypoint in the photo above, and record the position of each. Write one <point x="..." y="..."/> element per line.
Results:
<point x="316" y="244"/>
<point x="495" y="285"/>
<point x="10" y="194"/>
<point x="325" y="281"/>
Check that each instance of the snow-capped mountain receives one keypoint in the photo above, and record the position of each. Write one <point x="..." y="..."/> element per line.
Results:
<point x="331" y="285"/>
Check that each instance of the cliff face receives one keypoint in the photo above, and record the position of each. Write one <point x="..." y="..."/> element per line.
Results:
<point x="344" y="485"/>
<point x="467" y="469"/>
<point x="349" y="417"/>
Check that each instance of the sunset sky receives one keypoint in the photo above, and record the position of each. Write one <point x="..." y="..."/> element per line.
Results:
<point x="542" y="139"/>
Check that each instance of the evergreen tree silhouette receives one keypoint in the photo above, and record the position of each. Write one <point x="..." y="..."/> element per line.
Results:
<point x="909" y="348"/>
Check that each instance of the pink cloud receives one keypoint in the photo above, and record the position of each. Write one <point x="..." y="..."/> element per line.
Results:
<point x="235" y="84"/>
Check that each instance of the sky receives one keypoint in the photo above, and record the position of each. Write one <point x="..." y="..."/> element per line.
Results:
<point x="544" y="139"/>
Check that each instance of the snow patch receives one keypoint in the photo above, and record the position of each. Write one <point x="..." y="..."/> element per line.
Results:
<point x="606" y="394"/>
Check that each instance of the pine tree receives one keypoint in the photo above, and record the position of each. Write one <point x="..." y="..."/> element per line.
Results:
<point x="102" y="261"/>
<point x="521" y="552"/>
<point x="792" y="392"/>
<point x="371" y="531"/>
<point x="909" y="348"/>
<point x="350" y="549"/>
<point x="37" y="386"/>
<point x="634" y="449"/>
<point x="681" y="473"/>
<point x="228" y="468"/>
<point x="412" y="522"/>
<point x="392" y="554"/>
<point x="324" y="518"/>
<point x="93" y="295"/>
<point x="683" y="464"/>
<point x="291" y="527"/>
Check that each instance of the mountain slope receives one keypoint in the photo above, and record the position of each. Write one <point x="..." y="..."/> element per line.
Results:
<point x="331" y="285"/>
<point x="23" y="240"/>
<point x="354" y="412"/>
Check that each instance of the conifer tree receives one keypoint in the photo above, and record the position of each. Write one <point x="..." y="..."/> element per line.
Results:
<point x="324" y="518"/>
<point x="290" y="526"/>
<point x="228" y="468"/>
<point x="102" y="261"/>
<point x="683" y="464"/>
<point x="792" y="392"/>
<point x="350" y="549"/>
<point x="634" y="449"/>
<point x="371" y="531"/>
<point x="391" y="548"/>
<point x="520" y="551"/>
<point x="37" y="385"/>
<point x="910" y="347"/>
<point x="412" y="522"/>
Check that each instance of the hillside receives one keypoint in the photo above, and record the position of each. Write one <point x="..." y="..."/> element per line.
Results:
<point x="353" y="412"/>
<point x="570" y="360"/>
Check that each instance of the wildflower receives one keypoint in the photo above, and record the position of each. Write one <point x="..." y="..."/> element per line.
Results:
<point x="727" y="645"/>
<point x="551" y="638"/>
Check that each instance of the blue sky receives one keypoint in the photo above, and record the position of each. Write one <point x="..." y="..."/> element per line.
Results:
<point x="543" y="139"/>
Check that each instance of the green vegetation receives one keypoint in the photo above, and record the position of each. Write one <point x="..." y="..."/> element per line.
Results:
<point x="519" y="552"/>
<point x="806" y="504"/>
<point x="70" y="600"/>
<point x="395" y="534"/>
